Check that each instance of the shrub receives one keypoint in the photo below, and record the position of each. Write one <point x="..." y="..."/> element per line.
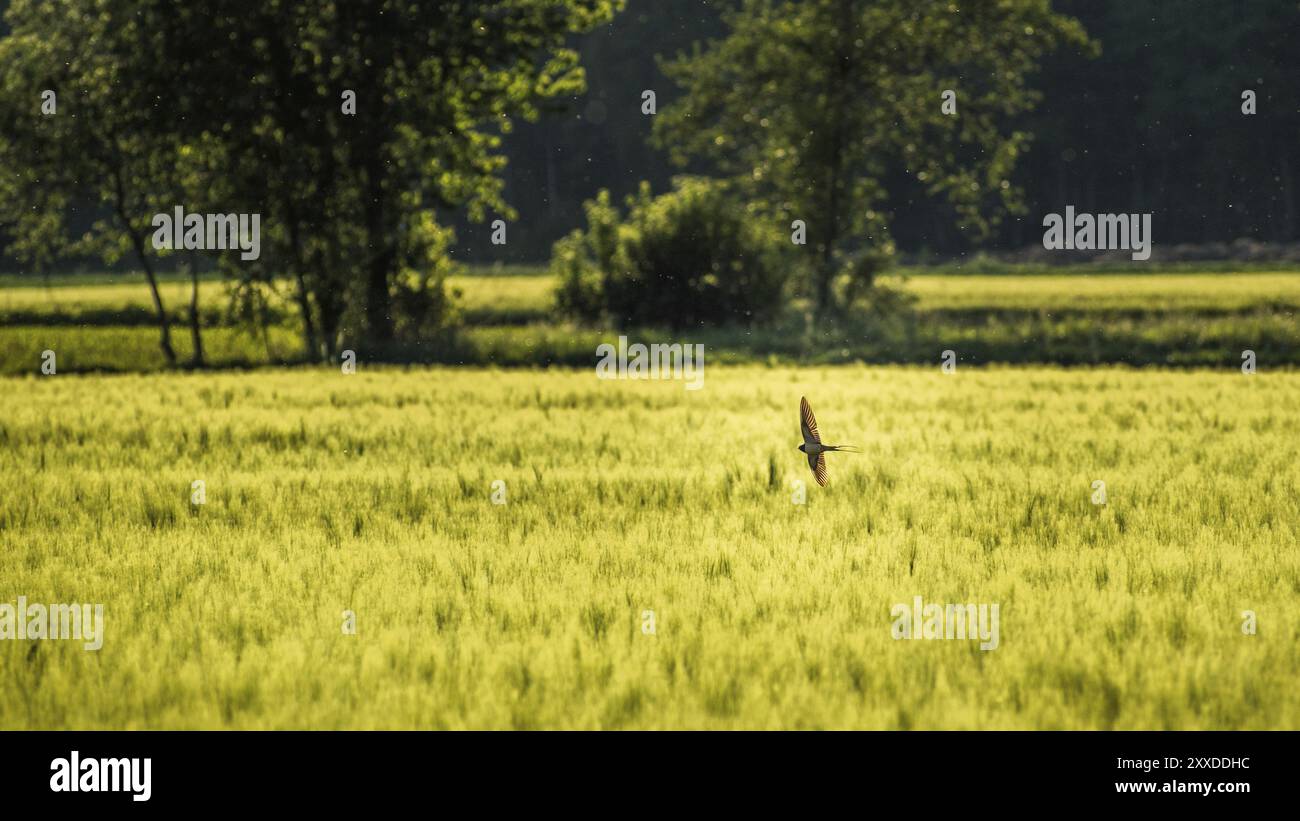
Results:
<point x="581" y="260"/>
<point x="687" y="258"/>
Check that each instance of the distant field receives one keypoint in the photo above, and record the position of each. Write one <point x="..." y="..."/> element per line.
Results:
<point x="501" y="296"/>
<point x="371" y="493"/>
<point x="1163" y="293"/>
<point x="1184" y="318"/>
<point x="494" y="296"/>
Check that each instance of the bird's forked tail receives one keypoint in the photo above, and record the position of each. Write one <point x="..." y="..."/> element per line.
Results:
<point x="842" y="448"/>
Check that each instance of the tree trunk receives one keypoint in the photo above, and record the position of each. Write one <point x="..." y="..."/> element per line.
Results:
<point x="196" y="335"/>
<point x="304" y="308"/>
<point x="331" y="306"/>
<point x="264" y="322"/>
<point x="1288" y="200"/>
<point x="379" y="315"/>
<point x="825" y="277"/>
<point x="302" y="296"/>
<point x="164" y="326"/>
<point x="137" y="242"/>
<point x="835" y="164"/>
<point x="379" y="319"/>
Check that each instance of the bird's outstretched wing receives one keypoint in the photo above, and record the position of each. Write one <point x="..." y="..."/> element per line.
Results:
<point x="808" y="423"/>
<point x="818" y="464"/>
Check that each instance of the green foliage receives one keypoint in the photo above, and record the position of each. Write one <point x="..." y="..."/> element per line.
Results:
<point x="422" y="305"/>
<point x="811" y="106"/>
<point x="104" y="143"/>
<point x="361" y="202"/>
<point x="688" y="258"/>
<point x="583" y="260"/>
<point x="222" y="107"/>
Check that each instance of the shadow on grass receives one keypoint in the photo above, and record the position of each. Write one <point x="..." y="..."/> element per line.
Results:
<point x="1067" y="338"/>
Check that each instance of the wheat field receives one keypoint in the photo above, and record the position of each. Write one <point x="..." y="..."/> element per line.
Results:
<point x="374" y="493"/>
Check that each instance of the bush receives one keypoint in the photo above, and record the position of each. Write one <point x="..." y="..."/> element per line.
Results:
<point x="688" y="258"/>
<point x="581" y="260"/>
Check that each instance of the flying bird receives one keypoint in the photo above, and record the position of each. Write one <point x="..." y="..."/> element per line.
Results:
<point x="812" y="442"/>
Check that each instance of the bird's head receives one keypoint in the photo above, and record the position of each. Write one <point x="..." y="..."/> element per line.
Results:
<point x="801" y="450"/>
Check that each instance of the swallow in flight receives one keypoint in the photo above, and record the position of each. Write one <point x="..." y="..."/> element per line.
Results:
<point x="812" y="442"/>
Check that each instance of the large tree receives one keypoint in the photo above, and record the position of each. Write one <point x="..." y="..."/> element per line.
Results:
<point x="810" y="106"/>
<point x="231" y="107"/>
<point x="354" y="204"/>
<point x="78" y="131"/>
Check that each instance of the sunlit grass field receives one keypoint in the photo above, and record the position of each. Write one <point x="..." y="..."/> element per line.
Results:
<point x="128" y="295"/>
<point x="531" y="293"/>
<point x="373" y="493"/>
<point x="1132" y="293"/>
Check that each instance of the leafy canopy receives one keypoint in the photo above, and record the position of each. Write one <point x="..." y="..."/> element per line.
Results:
<point x="811" y="106"/>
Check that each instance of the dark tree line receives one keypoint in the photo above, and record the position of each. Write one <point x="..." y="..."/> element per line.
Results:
<point x="1150" y="120"/>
